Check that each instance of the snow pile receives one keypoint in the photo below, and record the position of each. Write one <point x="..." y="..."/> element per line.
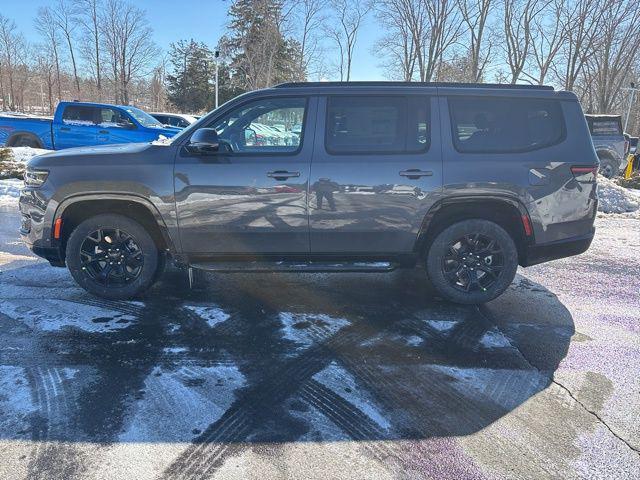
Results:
<point x="13" y="160"/>
<point x="616" y="199"/>
<point x="9" y="192"/>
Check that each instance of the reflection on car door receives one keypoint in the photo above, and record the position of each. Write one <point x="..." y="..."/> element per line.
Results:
<point x="376" y="171"/>
<point x="250" y="197"/>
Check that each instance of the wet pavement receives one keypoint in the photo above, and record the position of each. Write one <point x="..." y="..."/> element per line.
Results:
<point x="323" y="375"/>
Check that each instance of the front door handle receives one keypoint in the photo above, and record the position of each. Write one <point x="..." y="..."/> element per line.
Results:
<point x="104" y="132"/>
<point x="65" y="129"/>
<point x="282" y="174"/>
<point x="414" y="173"/>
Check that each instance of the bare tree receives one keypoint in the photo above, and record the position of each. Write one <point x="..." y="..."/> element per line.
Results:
<point x="12" y="47"/>
<point x="580" y="21"/>
<point x="348" y="18"/>
<point x="548" y="37"/>
<point x="518" y="22"/>
<point x="87" y="15"/>
<point x="475" y="14"/>
<point x="47" y="27"/>
<point x="63" y="17"/>
<point x="309" y="14"/>
<point x="444" y="27"/>
<point x="613" y="60"/>
<point x="46" y="69"/>
<point x="400" y="43"/>
<point x="127" y="41"/>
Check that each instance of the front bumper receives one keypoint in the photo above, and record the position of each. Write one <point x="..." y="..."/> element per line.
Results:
<point x="546" y="252"/>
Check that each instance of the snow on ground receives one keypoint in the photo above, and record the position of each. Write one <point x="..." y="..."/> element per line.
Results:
<point x="213" y="315"/>
<point x="16" y="405"/>
<point x="306" y="328"/>
<point x="24" y="154"/>
<point x="55" y="314"/>
<point x="179" y="404"/>
<point x="9" y="193"/>
<point x="612" y="198"/>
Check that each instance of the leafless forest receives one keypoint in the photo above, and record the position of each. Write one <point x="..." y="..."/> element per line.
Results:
<point x="104" y="49"/>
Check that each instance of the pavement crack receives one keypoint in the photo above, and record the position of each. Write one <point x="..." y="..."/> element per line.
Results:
<point x="595" y="415"/>
<point x="487" y="315"/>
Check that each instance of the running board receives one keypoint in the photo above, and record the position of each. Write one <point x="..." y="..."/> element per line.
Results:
<point x="315" y="267"/>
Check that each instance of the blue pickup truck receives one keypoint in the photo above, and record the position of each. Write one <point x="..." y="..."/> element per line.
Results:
<point x="80" y="124"/>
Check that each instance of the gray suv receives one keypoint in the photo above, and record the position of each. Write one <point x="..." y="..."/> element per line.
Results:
<point x="467" y="181"/>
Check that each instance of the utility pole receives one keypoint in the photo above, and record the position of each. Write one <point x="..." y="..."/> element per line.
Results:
<point x="216" y="54"/>
<point x="633" y="90"/>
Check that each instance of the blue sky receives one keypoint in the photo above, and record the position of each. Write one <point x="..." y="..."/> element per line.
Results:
<point x="204" y="20"/>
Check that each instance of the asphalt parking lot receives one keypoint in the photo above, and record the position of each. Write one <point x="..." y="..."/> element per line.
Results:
<point x="323" y="376"/>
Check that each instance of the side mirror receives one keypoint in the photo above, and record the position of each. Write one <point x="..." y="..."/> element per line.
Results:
<point x="204" y="141"/>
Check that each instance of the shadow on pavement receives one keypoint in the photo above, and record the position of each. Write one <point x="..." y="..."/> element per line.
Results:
<point x="249" y="359"/>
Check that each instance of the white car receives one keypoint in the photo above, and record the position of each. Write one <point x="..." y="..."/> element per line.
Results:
<point x="179" y="120"/>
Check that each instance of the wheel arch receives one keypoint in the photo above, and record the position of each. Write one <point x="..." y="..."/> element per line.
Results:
<point x="505" y="211"/>
<point x="74" y="210"/>
<point x="23" y="133"/>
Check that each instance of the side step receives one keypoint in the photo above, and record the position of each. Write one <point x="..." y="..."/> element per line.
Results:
<point x="288" y="266"/>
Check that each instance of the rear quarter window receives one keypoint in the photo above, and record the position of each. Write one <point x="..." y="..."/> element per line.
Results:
<point x="502" y="125"/>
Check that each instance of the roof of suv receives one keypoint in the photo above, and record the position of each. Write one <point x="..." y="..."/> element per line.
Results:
<point x="413" y="84"/>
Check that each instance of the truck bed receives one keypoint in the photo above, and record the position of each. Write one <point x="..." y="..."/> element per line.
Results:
<point x="40" y="126"/>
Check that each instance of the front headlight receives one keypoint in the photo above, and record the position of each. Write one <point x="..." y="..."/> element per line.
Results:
<point x="35" y="178"/>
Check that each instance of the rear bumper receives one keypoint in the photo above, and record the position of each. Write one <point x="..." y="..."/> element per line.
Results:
<point x="546" y="252"/>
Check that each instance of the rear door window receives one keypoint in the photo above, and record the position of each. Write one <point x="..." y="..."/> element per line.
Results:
<point x="605" y="126"/>
<point x="377" y="124"/>
<point x="79" y="115"/>
<point x="501" y="125"/>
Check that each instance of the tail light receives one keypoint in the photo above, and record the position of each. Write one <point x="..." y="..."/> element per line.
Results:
<point x="260" y="140"/>
<point x="584" y="173"/>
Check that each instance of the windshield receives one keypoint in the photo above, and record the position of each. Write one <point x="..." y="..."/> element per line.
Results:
<point x="143" y="118"/>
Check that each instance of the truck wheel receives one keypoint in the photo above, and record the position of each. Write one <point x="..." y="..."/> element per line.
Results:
<point x="608" y="168"/>
<point x="472" y="261"/>
<point x="112" y="256"/>
<point x="25" y="141"/>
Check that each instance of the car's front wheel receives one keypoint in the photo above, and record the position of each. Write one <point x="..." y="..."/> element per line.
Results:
<point x="112" y="256"/>
<point x="472" y="261"/>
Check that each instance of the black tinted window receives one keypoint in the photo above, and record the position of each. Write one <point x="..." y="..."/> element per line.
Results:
<point x="79" y="115"/>
<point x="504" y="124"/>
<point x="377" y="124"/>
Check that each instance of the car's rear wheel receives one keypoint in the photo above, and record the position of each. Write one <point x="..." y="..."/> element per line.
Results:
<point x="472" y="261"/>
<point x="112" y="256"/>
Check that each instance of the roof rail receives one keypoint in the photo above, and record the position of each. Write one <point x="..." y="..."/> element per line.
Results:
<point x="413" y="84"/>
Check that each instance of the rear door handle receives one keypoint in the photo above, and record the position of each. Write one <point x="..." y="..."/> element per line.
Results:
<point x="414" y="173"/>
<point x="282" y="174"/>
<point x="104" y="132"/>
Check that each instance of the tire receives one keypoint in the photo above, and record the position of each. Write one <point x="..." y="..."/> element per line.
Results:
<point x="131" y="270"/>
<point x="608" y="168"/>
<point x="26" y="141"/>
<point x="452" y="262"/>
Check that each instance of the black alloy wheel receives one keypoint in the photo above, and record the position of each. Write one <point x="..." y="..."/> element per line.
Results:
<point x="473" y="262"/>
<point x="111" y="256"/>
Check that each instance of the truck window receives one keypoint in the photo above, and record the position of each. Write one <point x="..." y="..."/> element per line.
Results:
<point x="79" y="115"/>
<point x="605" y="126"/>
<point x="501" y="125"/>
<point x="375" y="124"/>
<point x="110" y="117"/>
